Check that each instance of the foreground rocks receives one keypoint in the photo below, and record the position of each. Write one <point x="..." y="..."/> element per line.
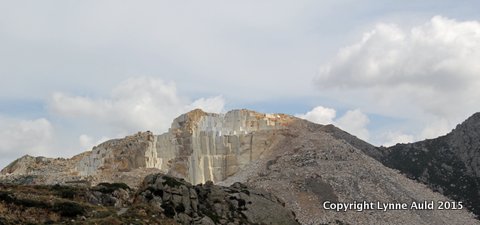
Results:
<point x="212" y="204"/>
<point x="47" y="204"/>
<point x="161" y="199"/>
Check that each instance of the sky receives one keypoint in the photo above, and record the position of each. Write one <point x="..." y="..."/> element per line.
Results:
<point x="76" y="73"/>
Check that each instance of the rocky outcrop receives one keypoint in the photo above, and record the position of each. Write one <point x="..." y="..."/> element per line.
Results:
<point x="57" y="204"/>
<point x="161" y="199"/>
<point x="199" y="146"/>
<point x="211" y="204"/>
<point x="448" y="164"/>
<point x="203" y="146"/>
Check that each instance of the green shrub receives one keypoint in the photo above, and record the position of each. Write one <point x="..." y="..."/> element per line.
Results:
<point x="108" y="188"/>
<point x="69" y="209"/>
<point x="64" y="191"/>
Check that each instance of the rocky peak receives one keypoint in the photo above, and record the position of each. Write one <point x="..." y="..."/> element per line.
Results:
<point x="449" y="164"/>
<point x="470" y="127"/>
<point x="17" y="165"/>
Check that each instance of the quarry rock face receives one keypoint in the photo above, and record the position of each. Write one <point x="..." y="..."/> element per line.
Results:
<point x="198" y="147"/>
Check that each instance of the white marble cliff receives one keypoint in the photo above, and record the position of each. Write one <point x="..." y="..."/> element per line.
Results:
<point x="198" y="147"/>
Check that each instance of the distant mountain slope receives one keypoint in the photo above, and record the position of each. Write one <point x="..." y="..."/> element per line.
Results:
<point x="449" y="164"/>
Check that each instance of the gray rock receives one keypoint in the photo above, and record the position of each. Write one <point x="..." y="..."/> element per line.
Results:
<point x="212" y="204"/>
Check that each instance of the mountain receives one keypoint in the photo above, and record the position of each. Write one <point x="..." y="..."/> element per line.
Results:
<point x="312" y="164"/>
<point x="302" y="163"/>
<point x="449" y="164"/>
<point x="198" y="147"/>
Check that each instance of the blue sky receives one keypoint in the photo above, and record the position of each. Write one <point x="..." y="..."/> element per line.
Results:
<point x="77" y="73"/>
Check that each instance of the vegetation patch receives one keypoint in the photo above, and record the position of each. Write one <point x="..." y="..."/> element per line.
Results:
<point x="108" y="188"/>
<point x="64" y="191"/>
<point x="69" y="209"/>
<point x="11" y="199"/>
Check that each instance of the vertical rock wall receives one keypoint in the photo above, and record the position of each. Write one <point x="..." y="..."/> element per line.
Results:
<point x="202" y="146"/>
<point x="199" y="146"/>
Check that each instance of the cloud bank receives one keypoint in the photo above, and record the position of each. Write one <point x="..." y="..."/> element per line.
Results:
<point x="353" y="121"/>
<point x="136" y="104"/>
<point x="427" y="73"/>
<point x="20" y="137"/>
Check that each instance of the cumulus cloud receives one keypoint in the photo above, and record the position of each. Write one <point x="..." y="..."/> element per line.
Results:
<point x="213" y="104"/>
<point x="33" y="137"/>
<point x="353" y="121"/>
<point x="320" y="115"/>
<point x="438" y="127"/>
<point x="393" y="138"/>
<point x="136" y="104"/>
<point x="87" y="142"/>
<point x="428" y="73"/>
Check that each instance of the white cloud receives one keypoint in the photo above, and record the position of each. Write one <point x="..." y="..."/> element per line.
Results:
<point x="214" y="104"/>
<point x="87" y="142"/>
<point x="19" y="137"/>
<point x="428" y="73"/>
<point x="436" y="128"/>
<point x="136" y="104"/>
<point x="320" y="115"/>
<point x="353" y="121"/>
<point x="393" y="138"/>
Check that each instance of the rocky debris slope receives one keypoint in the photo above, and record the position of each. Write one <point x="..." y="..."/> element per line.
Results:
<point x="198" y="147"/>
<point x="448" y="164"/>
<point x="160" y="200"/>
<point x="309" y="166"/>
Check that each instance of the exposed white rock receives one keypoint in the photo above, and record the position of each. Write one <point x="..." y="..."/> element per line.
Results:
<point x="199" y="147"/>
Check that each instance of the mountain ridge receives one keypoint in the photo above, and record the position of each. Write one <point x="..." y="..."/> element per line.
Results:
<point x="449" y="164"/>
